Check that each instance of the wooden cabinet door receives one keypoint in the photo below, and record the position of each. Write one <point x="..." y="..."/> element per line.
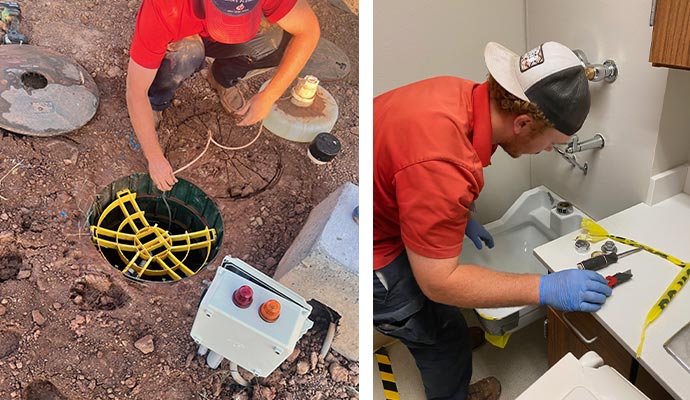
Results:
<point x="646" y="383"/>
<point x="671" y="35"/>
<point x="563" y="338"/>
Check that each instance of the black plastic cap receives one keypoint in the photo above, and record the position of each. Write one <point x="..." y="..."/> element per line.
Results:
<point x="324" y="147"/>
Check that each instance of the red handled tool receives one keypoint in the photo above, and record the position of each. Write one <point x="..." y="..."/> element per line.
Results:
<point x="617" y="279"/>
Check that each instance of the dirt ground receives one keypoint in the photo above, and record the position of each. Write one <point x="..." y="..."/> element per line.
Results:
<point x="68" y="320"/>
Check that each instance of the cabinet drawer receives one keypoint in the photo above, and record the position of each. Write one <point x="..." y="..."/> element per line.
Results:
<point x="564" y="338"/>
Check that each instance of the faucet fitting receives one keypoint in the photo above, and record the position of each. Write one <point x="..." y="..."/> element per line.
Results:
<point x="574" y="146"/>
<point x="607" y="71"/>
<point x="595" y="142"/>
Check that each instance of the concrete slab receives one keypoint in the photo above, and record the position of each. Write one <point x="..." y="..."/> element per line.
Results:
<point x="323" y="264"/>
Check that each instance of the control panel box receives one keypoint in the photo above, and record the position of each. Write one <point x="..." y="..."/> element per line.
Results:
<point x="250" y="319"/>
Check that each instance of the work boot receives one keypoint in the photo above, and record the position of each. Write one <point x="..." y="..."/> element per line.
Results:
<point x="257" y="72"/>
<point x="476" y="336"/>
<point x="485" y="389"/>
<point x="231" y="98"/>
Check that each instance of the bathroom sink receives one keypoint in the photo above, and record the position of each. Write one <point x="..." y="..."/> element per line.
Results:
<point x="538" y="216"/>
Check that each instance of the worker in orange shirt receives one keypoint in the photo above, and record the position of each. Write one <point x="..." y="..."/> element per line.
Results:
<point x="431" y="141"/>
<point x="172" y="39"/>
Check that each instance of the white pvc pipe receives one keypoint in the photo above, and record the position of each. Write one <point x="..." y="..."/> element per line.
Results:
<point x="213" y="359"/>
<point x="235" y="373"/>
<point x="328" y="339"/>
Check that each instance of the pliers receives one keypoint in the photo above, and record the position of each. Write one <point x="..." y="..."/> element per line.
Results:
<point x="617" y="279"/>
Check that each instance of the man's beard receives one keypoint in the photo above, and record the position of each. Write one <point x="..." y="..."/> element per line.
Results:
<point x="511" y="150"/>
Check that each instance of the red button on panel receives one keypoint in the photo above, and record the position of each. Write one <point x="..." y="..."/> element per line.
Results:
<point x="270" y="311"/>
<point x="243" y="296"/>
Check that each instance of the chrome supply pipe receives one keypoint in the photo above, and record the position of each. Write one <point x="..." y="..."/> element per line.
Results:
<point x="574" y="146"/>
<point x="572" y="160"/>
<point x="606" y="71"/>
<point x="595" y="142"/>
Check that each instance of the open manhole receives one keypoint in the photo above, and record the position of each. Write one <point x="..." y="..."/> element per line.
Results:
<point x="237" y="174"/>
<point x="151" y="236"/>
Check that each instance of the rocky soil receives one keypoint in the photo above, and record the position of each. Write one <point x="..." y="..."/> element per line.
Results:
<point x="71" y="327"/>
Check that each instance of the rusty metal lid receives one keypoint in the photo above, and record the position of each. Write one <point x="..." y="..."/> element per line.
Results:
<point x="328" y="62"/>
<point x="42" y="92"/>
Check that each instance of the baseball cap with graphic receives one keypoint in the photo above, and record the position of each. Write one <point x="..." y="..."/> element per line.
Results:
<point x="232" y="21"/>
<point x="550" y="76"/>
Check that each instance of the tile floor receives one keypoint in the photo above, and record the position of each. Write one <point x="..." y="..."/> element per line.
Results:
<point x="517" y="366"/>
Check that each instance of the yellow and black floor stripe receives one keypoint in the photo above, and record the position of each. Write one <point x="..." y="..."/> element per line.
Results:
<point x="390" y="389"/>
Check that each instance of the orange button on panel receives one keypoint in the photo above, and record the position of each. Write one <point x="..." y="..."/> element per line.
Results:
<point x="270" y="311"/>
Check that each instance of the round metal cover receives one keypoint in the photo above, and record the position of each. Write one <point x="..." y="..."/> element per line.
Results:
<point x="42" y="92"/>
<point x="328" y="62"/>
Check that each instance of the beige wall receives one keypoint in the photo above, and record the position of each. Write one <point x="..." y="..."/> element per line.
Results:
<point x="643" y="115"/>
<point x="674" y="132"/>
<point x="416" y="40"/>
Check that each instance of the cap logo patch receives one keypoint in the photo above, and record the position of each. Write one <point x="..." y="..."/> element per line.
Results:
<point x="531" y="58"/>
<point x="235" y="8"/>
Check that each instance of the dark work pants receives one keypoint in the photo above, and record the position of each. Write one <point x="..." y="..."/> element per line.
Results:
<point x="436" y="334"/>
<point x="232" y="62"/>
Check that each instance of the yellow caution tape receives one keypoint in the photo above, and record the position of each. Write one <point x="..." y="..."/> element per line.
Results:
<point x="149" y="250"/>
<point x="496" y="340"/>
<point x="663" y="301"/>
<point x="595" y="233"/>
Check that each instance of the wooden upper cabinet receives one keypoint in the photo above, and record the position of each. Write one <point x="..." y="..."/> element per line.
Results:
<point x="671" y="34"/>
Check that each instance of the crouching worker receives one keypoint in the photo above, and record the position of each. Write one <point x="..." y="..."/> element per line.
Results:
<point x="172" y="39"/>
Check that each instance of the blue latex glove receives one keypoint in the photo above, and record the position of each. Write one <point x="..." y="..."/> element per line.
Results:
<point x="574" y="290"/>
<point x="476" y="232"/>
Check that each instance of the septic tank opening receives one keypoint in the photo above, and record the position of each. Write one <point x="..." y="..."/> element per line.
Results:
<point x="151" y="236"/>
<point x="34" y="80"/>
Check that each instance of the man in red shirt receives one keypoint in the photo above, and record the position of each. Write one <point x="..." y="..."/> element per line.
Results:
<point x="431" y="140"/>
<point x="172" y="38"/>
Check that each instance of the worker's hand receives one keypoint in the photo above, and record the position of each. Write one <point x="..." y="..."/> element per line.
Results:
<point x="255" y="109"/>
<point x="162" y="173"/>
<point x="476" y="232"/>
<point x="574" y="290"/>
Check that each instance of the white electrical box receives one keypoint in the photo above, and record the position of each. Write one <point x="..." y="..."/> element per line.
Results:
<point x="243" y="335"/>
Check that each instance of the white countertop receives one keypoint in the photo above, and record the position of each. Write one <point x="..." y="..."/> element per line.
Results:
<point x="665" y="227"/>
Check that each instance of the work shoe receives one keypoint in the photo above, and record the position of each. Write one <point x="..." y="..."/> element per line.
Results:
<point x="476" y="336"/>
<point x="257" y="72"/>
<point x="231" y="98"/>
<point x="485" y="389"/>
